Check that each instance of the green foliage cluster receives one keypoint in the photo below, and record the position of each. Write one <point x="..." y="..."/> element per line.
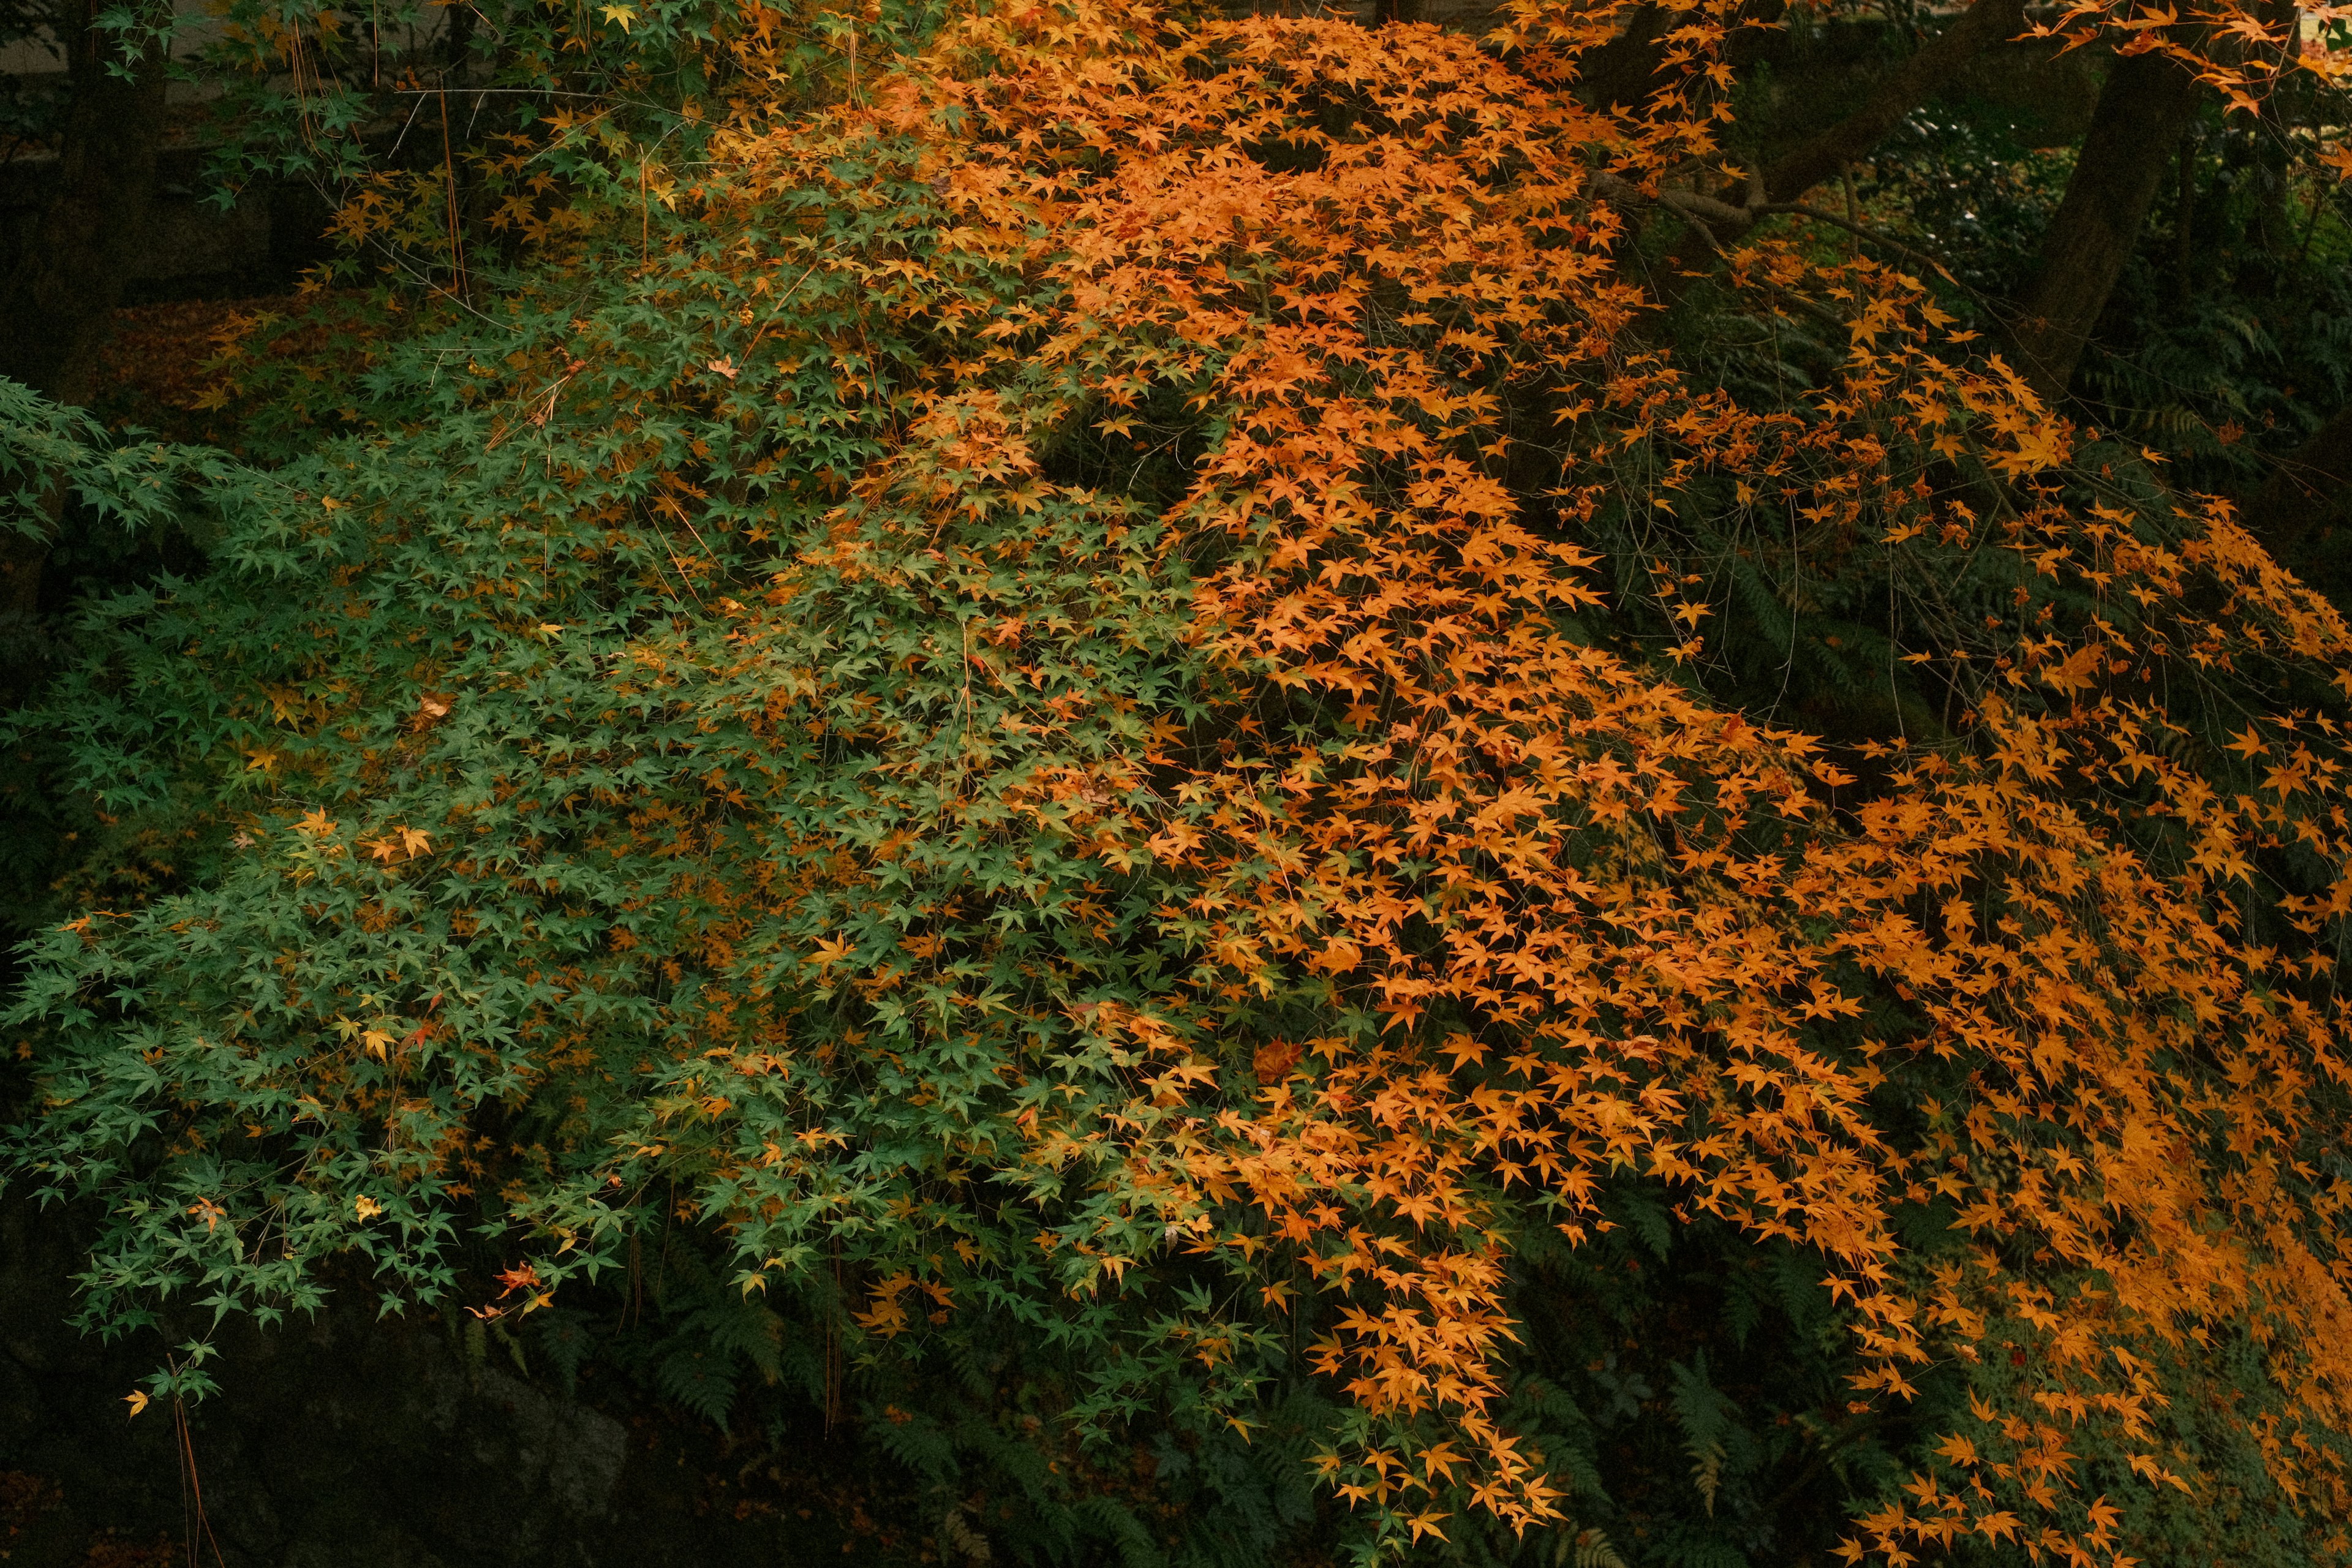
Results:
<point x="530" y="602"/>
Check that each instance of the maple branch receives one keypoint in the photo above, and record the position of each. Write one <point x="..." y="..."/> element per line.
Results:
<point x="1705" y="214"/>
<point x="1700" y="210"/>
<point x="1910" y="84"/>
<point x="1876" y="236"/>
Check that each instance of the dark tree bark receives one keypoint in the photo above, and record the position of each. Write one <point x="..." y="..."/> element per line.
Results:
<point x="1911" y="84"/>
<point x="1623" y="71"/>
<point x="56" y="300"/>
<point x="2310" y="486"/>
<point x="1789" y="178"/>
<point x="1619" y="71"/>
<point x="2147" y="101"/>
<point x="2184" y="227"/>
<point x="2272" y="231"/>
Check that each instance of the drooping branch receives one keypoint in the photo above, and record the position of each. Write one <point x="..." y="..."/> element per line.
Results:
<point x="2148" y="102"/>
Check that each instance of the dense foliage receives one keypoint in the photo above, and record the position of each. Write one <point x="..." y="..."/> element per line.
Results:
<point x="1101" y="704"/>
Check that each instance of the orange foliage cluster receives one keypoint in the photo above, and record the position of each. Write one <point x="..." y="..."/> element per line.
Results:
<point x="1603" y="924"/>
<point x="2244" y="52"/>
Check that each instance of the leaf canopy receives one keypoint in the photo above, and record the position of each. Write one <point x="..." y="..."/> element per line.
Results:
<point x="1081" y="686"/>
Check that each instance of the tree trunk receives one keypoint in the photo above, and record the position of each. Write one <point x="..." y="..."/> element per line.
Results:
<point x="1910" y="84"/>
<point x="2304" y="491"/>
<point x="1619" y="71"/>
<point x="1623" y="72"/>
<point x="2272" y="231"/>
<point x="2147" y="101"/>
<point x="57" y="299"/>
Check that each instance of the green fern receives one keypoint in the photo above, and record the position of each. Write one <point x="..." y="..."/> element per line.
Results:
<point x="1705" y="1418"/>
<point x="1587" y="1548"/>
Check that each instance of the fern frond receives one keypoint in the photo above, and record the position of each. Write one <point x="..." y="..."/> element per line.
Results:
<point x="1594" y="1550"/>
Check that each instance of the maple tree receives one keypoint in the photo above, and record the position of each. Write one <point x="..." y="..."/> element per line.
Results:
<point x="1095" y="670"/>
